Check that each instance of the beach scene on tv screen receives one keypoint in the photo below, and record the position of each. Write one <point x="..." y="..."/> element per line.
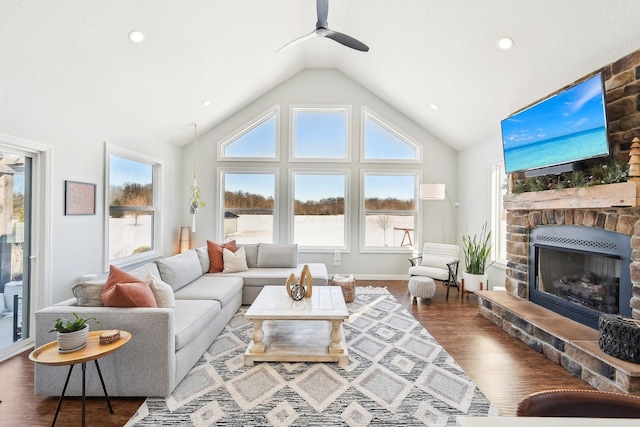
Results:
<point x="567" y="127"/>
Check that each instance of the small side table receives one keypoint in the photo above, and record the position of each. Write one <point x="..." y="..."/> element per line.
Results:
<point x="48" y="354"/>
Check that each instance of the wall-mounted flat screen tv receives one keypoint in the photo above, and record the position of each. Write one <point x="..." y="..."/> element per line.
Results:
<point x="564" y="128"/>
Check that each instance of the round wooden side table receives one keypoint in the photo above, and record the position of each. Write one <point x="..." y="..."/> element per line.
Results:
<point x="48" y="354"/>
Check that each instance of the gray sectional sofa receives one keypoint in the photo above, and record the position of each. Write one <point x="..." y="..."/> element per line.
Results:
<point x="167" y="342"/>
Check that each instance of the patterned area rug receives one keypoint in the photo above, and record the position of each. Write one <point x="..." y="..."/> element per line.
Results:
<point x="398" y="375"/>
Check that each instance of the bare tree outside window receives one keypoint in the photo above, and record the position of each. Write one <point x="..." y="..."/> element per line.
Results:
<point x="384" y="222"/>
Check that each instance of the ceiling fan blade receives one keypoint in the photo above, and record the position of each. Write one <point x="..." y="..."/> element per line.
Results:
<point x="298" y="40"/>
<point x="322" y="7"/>
<point x="347" y="40"/>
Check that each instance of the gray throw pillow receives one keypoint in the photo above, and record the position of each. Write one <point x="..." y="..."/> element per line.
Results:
<point x="180" y="270"/>
<point x="203" y="256"/>
<point x="251" y="251"/>
<point x="89" y="294"/>
<point x="277" y="256"/>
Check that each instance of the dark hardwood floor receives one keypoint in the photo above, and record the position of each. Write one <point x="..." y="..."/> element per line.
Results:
<point x="504" y="368"/>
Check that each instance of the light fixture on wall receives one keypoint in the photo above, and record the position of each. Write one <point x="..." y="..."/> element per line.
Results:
<point x="185" y="239"/>
<point x="439" y="192"/>
<point x="196" y="202"/>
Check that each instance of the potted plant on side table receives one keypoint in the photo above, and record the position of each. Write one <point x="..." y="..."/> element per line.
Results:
<point x="72" y="333"/>
<point x="477" y="250"/>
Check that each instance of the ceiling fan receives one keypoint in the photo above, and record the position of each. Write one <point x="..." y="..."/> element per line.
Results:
<point x="322" y="30"/>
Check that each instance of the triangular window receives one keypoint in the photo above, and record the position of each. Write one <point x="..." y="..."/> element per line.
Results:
<point x="258" y="140"/>
<point x="382" y="142"/>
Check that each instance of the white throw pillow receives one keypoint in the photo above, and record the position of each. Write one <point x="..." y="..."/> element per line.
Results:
<point x="234" y="262"/>
<point x="162" y="292"/>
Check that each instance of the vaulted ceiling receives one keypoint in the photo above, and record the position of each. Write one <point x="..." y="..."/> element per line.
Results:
<point x="74" y="55"/>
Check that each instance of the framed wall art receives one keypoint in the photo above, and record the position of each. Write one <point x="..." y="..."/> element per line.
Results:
<point x="80" y="198"/>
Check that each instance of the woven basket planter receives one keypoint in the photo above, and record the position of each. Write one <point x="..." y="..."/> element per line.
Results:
<point x="619" y="337"/>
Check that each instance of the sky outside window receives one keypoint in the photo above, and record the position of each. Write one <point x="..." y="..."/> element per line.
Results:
<point x="401" y="187"/>
<point x="257" y="142"/>
<point x="320" y="134"/>
<point x="381" y="143"/>
<point x="318" y="187"/>
<point x="124" y="171"/>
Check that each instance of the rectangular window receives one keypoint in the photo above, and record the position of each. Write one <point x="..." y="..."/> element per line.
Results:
<point x="499" y="186"/>
<point x="248" y="206"/>
<point x="320" y="133"/>
<point x="390" y="210"/>
<point x="319" y="209"/>
<point x="132" y="203"/>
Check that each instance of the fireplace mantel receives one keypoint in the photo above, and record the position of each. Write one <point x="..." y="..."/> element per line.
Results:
<point x="620" y="195"/>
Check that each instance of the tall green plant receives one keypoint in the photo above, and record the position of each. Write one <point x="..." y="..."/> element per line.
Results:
<point x="477" y="250"/>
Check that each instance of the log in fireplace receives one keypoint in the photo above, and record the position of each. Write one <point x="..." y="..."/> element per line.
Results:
<point x="580" y="272"/>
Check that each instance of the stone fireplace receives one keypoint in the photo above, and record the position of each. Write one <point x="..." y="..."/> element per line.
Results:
<point x="580" y="272"/>
<point x="579" y="234"/>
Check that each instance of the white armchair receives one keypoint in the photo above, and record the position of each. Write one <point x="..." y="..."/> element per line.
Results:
<point x="438" y="261"/>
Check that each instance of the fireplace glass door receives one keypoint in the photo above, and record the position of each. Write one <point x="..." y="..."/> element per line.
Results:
<point x="588" y="280"/>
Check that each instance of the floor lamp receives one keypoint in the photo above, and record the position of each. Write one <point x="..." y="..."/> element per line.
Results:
<point x="439" y="192"/>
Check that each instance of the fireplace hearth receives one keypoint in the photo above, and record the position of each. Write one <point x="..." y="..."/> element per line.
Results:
<point x="580" y="272"/>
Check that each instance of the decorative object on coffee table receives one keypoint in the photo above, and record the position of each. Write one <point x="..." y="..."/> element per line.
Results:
<point x="290" y="283"/>
<point x="348" y="285"/>
<point x="297" y="292"/>
<point x="306" y="280"/>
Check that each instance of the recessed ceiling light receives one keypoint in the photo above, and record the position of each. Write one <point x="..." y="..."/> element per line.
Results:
<point x="434" y="106"/>
<point x="206" y="102"/>
<point x="136" y="36"/>
<point x="505" y="43"/>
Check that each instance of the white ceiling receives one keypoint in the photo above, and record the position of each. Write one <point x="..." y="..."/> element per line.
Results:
<point x="75" y="55"/>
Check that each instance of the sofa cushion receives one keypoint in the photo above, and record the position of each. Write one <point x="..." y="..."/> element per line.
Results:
<point x="125" y="290"/>
<point x="144" y="270"/>
<point x="437" y="261"/>
<point x="278" y="276"/>
<point x="234" y="261"/>
<point x="434" y="273"/>
<point x="216" y="263"/>
<point x="89" y="294"/>
<point x="212" y="287"/>
<point x="162" y="292"/>
<point x="251" y="252"/>
<point x="192" y="317"/>
<point x="180" y="270"/>
<point x="275" y="256"/>
<point x="203" y="257"/>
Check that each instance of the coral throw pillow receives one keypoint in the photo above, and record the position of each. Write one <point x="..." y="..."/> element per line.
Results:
<point x="125" y="290"/>
<point x="216" y="262"/>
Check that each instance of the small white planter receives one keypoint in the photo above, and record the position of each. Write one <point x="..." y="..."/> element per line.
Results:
<point x="475" y="282"/>
<point x="72" y="341"/>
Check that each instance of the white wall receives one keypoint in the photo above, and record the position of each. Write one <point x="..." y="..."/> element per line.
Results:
<point x="325" y="87"/>
<point x="77" y="134"/>
<point x="474" y="177"/>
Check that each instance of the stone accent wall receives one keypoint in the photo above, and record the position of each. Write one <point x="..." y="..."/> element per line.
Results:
<point x="622" y="83"/>
<point x="519" y="222"/>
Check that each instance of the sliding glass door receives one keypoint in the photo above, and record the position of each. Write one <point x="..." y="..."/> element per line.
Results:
<point x="15" y="215"/>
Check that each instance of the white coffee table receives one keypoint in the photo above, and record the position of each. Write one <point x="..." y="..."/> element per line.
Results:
<point x="309" y="330"/>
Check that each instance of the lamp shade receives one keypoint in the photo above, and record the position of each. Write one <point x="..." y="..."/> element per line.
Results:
<point x="432" y="191"/>
<point x="185" y="239"/>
